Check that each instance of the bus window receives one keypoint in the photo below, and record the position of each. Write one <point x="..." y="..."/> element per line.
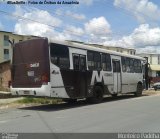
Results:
<point x="79" y="62"/>
<point x="137" y="66"/>
<point x="76" y="62"/>
<point x="123" y="59"/>
<point x="82" y="62"/>
<point x="90" y="60"/>
<point x="106" y="62"/>
<point x="131" y="65"/>
<point x="97" y="61"/>
<point x="94" y="60"/>
<point x="127" y="62"/>
<point x="59" y="55"/>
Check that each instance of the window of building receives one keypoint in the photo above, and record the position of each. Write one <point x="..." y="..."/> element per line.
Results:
<point x="6" y="53"/>
<point x="134" y="52"/>
<point x="60" y="55"/>
<point x="6" y="42"/>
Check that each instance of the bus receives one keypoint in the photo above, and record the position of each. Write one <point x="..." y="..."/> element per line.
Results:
<point x="71" y="71"/>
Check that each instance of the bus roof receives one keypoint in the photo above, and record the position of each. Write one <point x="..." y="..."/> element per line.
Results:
<point x="93" y="48"/>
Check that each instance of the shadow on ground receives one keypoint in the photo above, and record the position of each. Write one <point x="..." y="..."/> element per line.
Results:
<point x="80" y="103"/>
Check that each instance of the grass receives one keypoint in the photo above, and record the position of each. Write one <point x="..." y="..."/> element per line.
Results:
<point x="31" y="100"/>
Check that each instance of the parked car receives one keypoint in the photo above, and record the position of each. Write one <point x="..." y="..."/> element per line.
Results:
<point x="156" y="86"/>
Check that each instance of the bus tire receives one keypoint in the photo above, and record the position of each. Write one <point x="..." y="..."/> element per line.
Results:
<point x="138" y="93"/>
<point x="97" y="95"/>
<point x="114" y="95"/>
<point x="155" y="88"/>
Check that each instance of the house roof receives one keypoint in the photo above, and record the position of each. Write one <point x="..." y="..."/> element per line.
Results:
<point x="18" y="34"/>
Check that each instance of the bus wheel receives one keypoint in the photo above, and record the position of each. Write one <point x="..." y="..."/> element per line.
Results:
<point x="155" y="88"/>
<point x="70" y="101"/>
<point x="138" y="93"/>
<point x="97" y="95"/>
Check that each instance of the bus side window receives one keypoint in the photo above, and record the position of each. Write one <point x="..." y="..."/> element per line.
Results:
<point x="127" y="65"/>
<point x="123" y="59"/>
<point x="106" y="62"/>
<point x="82" y="62"/>
<point x="60" y="55"/>
<point x="137" y="66"/>
<point x="97" y="61"/>
<point x="76" y="62"/>
<point x="90" y="60"/>
<point x="131" y="65"/>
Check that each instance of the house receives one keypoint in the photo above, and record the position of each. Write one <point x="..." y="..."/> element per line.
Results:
<point x="6" y="55"/>
<point x="5" y="45"/>
<point x="5" y="75"/>
<point x="154" y="65"/>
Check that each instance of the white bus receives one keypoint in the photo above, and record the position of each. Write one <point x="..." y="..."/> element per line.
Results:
<point x="73" y="71"/>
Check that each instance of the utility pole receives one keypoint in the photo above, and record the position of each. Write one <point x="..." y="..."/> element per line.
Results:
<point x="146" y="73"/>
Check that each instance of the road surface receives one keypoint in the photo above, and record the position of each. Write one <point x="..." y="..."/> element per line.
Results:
<point x="125" y="114"/>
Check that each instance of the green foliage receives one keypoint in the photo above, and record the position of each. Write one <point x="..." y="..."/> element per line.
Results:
<point x="27" y="100"/>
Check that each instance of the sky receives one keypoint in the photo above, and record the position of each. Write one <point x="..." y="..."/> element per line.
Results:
<point x="122" y="23"/>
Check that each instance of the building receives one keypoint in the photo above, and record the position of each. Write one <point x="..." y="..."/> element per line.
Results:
<point x="5" y="45"/>
<point x="154" y="65"/>
<point x="130" y="51"/>
<point x="5" y="75"/>
<point x="6" y="55"/>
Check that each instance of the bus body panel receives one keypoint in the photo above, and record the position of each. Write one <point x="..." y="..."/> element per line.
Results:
<point x="57" y="84"/>
<point x="68" y="80"/>
<point x="30" y="64"/>
<point x="43" y="91"/>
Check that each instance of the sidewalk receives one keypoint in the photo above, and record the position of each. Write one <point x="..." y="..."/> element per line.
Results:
<point x="4" y="94"/>
<point x="6" y="98"/>
<point x="9" y="100"/>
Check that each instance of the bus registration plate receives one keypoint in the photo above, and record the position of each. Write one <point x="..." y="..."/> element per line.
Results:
<point x="26" y="92"/>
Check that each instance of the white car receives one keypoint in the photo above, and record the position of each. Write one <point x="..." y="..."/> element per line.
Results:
<point x="156" y="86"/>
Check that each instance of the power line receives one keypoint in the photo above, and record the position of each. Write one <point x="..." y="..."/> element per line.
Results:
<point x="52" y="26"/>
<point x="97" y="26"/>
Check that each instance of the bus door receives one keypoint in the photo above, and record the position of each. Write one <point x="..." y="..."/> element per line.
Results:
<point x="116" y="75"/>
<point x="79" y="68"/>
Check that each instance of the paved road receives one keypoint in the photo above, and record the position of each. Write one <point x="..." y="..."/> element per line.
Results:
<point x="125" y="114"/>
